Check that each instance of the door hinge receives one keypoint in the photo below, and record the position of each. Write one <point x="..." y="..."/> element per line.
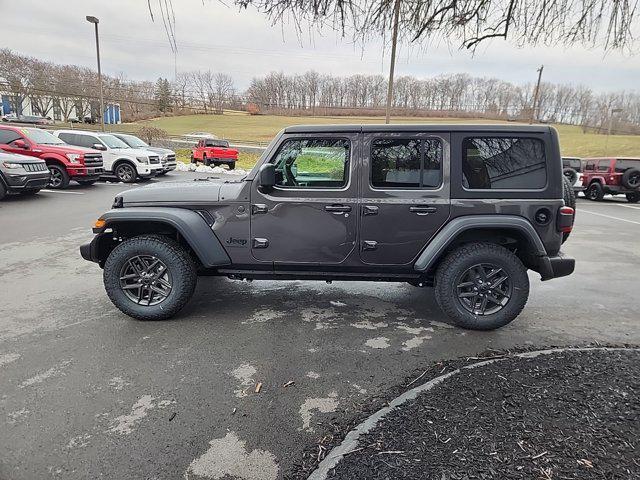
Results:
<point x="259" y="208"/>
<point x="260" y="243"/>
<point x="369" y="245"/>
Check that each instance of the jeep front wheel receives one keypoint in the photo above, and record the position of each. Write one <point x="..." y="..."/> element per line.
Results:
<point x="150" y="277"/>
<point x="482" y="286"/>
<point x="595" y="192"/>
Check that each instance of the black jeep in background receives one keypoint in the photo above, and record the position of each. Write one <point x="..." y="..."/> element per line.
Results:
<point x="466" y="209"/>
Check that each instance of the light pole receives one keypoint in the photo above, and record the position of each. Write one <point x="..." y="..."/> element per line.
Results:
<point x="95" y="21"/>
<point x="611" y="114"/>
<point x="394" y="41"/>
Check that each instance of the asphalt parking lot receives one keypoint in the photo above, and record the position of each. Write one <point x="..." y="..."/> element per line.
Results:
<point x="87" y="392"/>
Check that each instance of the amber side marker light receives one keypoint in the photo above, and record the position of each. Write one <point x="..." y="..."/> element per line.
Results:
<point x="99" y="225"/>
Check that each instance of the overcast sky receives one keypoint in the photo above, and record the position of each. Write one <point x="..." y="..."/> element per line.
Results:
<point x="244" y="44"/>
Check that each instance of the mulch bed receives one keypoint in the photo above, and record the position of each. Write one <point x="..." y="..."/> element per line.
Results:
<point x="571" y="415"/>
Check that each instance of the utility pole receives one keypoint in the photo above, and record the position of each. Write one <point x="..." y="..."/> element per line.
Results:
<point x="95" y="21"/>
<point x="612" y="112"/>
<point x="394" y="41"/>
<point x="536" y="96"/>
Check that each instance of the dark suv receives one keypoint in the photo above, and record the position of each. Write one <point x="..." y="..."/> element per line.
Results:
<point x="466" y="209"/>
<point x="612" y="176"/>
<point x="20" y="174"/>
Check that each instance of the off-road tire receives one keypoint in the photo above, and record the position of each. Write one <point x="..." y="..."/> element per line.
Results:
<point x="61" y="175"/>
<point x="571" y="175"/>
<point x="631" y="178"/>
<point x="119" y="172"/>
<point x="633" y="197"/>
<point x="179" y="263"/>
<point x="232" y="165"/>
<point x="594" y="192"/>
<point x="463" y="258"/>
<point x="569" y="201"/>
<point x="161" y="174"/>
<point x="3" y="191"/>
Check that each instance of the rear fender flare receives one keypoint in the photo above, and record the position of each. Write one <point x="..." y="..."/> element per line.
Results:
<point x="437" y="247"/>
<point x="193" y="228"/>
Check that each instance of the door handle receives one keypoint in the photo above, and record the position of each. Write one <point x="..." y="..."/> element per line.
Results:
<point x="369" y="210"/>
<point x="257" y="208"/>
<point x="337" y="208"/>
<point x="369" y="245"/>
<point x="422" y="210"/>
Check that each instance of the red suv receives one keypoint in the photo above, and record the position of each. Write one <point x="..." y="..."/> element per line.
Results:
<point x="210" y="151"/>
<point x="65" y="162"/>
<point x="611" y="176"/>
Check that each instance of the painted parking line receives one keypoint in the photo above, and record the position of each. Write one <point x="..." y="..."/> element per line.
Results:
<point x="609" y="216"/>
<point x="62" y="191"/>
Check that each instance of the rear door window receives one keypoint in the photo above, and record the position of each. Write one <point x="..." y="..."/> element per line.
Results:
<point x="406" y="163"/>
<point x="590" y="166"/>
<point x="603" y="165"/>
<point x="503" y="163"/>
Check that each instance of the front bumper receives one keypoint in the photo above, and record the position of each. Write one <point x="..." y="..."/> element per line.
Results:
<point x="89" y="251"/>
<point x="86" y="173"/>
<point x="556" y="267"/>
<point x="168" y="167"/>
<point x="27" y="181"/>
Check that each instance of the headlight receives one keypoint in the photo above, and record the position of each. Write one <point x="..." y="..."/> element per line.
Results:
<point x="143" y="159"/>
<point x="73" y="157"/>
<point x="11" y="165"/>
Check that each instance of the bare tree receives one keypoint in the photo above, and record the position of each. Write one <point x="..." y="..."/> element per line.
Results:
<point x="224" y="90"/>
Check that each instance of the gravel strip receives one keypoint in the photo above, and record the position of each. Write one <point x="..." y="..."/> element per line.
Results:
<point x="565" y="415"/>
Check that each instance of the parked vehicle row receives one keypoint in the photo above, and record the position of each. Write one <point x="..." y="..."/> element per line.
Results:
<point x="83" y="156"/>
<point x="597" y="177"/>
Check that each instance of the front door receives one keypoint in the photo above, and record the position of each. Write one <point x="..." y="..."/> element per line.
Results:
<point x="310" y="216"/>
<point x="405" y="194"/>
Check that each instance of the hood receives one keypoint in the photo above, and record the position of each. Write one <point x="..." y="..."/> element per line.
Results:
<point x="171" y="193"/>
<point x="134" y="152"/>
<point x="62" y="149"/>
<point x="17" y="158"/>
<point x="160" y="151"/>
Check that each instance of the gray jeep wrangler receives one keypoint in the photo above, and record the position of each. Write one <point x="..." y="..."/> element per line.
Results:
<point x="466" y="209"/>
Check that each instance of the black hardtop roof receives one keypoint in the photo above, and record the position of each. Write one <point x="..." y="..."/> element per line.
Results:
<point x="419" y="127"/>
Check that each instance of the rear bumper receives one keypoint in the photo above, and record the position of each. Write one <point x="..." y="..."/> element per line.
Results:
<point x="556" y="267"/>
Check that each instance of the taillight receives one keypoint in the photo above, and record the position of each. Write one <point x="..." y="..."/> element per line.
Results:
<point x="565" y="219"/>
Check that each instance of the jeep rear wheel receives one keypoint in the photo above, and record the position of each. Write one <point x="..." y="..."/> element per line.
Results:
<point x="59" y="177"/>
<point x="595" y="192"/>
<point x="232" y="165"/>
<point x="482" y="286"/>
<point x="633" y="197"/>
<point x="150" y="277"/>
<point x="125" y="172"/>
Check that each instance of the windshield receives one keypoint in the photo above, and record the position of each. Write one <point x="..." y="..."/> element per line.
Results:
<point x="41" y="136"/>
<point x="132" y="141"/>
<point x="112" y="142"/>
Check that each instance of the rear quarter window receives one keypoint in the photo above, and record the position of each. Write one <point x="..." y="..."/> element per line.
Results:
<point x="503" y="163"/>
<point x="624" y="165"/>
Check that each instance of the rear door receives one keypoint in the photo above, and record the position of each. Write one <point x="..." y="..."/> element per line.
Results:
<point x="309" y="217"/>
<point x="405" y="194"/>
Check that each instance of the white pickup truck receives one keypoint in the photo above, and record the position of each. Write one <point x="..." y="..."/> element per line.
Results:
<point x="128" y="164"/>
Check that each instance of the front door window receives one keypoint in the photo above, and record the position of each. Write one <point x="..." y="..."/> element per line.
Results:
<point x="312" y="163"/>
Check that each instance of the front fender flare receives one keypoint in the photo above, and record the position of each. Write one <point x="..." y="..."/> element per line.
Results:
<point x="193" y="228"/>
<point x="438" y="245"/>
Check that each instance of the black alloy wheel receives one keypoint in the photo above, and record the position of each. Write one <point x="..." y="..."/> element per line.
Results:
<point x="145" y="280"/>
<point x="484" y="289"/>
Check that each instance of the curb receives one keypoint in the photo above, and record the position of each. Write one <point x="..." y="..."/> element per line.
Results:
<point x="350" y="442"/>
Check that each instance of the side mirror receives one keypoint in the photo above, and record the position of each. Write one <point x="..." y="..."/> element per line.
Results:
<point x="99" y="146"/>
<point x="20" y="144"/>
<point x="267" y="176"/>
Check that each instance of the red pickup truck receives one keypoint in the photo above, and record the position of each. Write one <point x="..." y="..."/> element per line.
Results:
<point x="64" y="161"/>
<point x="211" y="151"/>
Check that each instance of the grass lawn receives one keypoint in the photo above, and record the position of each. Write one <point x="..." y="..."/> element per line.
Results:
<point x="239" y="126"/>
